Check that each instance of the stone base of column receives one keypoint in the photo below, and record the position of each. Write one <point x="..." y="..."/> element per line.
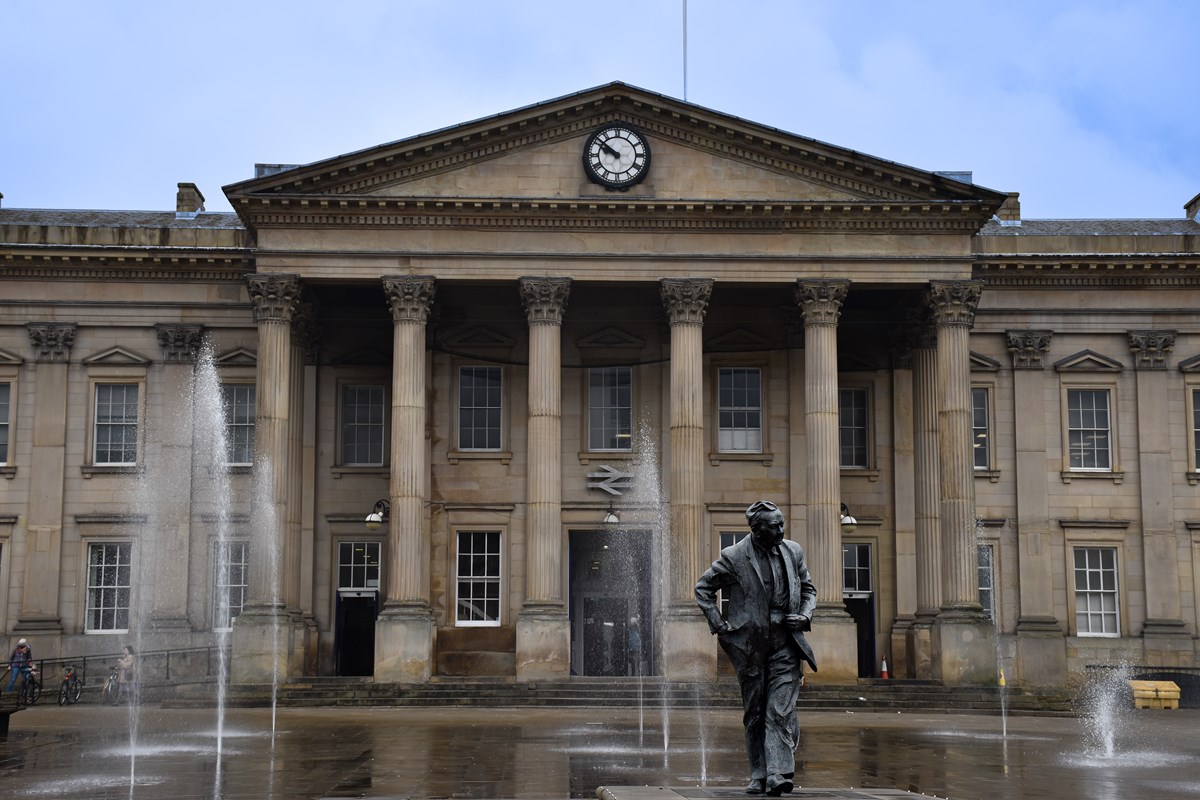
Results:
<point x="1041" y="658"/>
<point x="543" y="644"/>
<point x="898" y="659"/>
<point x="688" y="651"/>
<point x="1167" y="643"/>
<point x="261" y="645"/>
<point x="404" y="644"/>
<point x="920" y="648"/>
<point x="312" y="639"/>
<point x="834" y="640"/>
<point x="36" y="625"/>
<point x="964" y="648"/>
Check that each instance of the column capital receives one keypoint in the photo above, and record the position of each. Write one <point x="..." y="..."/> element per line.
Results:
<point x="410" y="297"/>
<point x="274" y="295"/>
<point x="954" y="302"/>
<point x="821" y="300"/>
<point x="52" y="341"/>
<point x="544" y="299"/>
<point x="686" y="299"/>
<point x="1028" y="347"/>
<point x="1150" y="348"/>
<point x="305" y="333"/>
<point x="180" y="343"/>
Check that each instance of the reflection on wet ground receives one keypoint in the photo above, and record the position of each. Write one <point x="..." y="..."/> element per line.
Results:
<point x="85" y="752"/>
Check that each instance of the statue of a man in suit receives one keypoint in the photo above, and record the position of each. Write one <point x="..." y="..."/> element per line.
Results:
<point x="771" y="602"/>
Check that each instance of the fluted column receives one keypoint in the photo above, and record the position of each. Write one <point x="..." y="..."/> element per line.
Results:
<point x="404" y="629"/>
<point x="686" y="653"/>
<point x="543" y="629"/>
<point x="964" y="638"/>
<point x="255" y="657"/>
<point x="834" y="634"/>
<point x="928" y="496"/>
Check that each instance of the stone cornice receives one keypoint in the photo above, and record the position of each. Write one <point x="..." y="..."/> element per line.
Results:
<point x="22" y="262"/>
<point x="1142" y="269"/>
<point x="623" y="214"/>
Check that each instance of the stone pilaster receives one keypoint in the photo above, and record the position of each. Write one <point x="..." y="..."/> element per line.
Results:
<point x="258" y="628"/>
<point x="1041" y="648"/>
<point x="964" y="638"/>
<point x="927" y="501"/>
<point x="404" y="630"/>
<point x="308" y="340"/>
<point x="39" y="611"/>
<point x="688" y="651"/>
<point x="543" y="627"/>
<point x="898" y="655"/>
<point x="1167" y="640"/>
<point x="834" y="634"/>
<point x="169" y="549"/>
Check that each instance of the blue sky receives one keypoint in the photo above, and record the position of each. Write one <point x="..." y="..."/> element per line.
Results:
<point x="1088" y="109"/>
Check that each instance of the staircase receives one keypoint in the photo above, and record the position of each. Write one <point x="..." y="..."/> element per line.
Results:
<point x="620" y="693"/>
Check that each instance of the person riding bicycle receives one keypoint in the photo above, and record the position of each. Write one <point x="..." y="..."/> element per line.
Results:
<point x="21" y="661"/>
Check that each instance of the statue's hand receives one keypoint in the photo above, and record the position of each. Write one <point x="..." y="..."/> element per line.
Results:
<point x="725" y="627"/>
<point x="795" y="622"/>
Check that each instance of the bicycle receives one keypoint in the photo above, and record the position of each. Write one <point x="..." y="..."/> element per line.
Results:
<point x="31" y="687"/>
<point x="110" y="693"/>
<point x="71" y="688"/>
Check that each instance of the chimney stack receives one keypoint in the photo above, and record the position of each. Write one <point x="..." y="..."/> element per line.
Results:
<point x="1190" y="209"/>
<point x="1010" y="212"/>
<point x="188" y="201"/>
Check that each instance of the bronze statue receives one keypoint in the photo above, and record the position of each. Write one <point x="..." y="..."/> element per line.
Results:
<point x="771" y="602"/>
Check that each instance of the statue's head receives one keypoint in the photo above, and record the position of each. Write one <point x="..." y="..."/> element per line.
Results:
<point x="766" y="523"/>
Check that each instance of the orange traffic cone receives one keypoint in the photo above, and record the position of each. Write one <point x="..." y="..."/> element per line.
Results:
<point x="883" y="671"/>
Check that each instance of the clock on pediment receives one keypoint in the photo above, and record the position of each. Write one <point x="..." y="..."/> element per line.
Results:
<point x="616" y="156"/>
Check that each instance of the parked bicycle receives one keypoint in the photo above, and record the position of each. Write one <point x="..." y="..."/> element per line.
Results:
<point x="31" y="687"/>
<point x="71" y="688"/>
<point x="110" y="693"/>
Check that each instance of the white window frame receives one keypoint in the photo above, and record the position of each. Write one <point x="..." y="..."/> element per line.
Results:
<point x="1069" y="430"/>
<point x="369" y="564"/>
<point x="727" y="539"/>
<point x="103" y="587"/>
<point x="729" y="409"/>
<point x="982" y="436"/>
<point x="6" y="415"/>
<point x="230" y="575"/>
<point x="857" y="590"/>
<point x="1094" y="570"/>
<point x="139" y="388"/>
<point x="465" y="410"/>
<point x="236" y="423"/>
<point x="985" y="570"/>
<point x="622" y="431"/>
<point x="867" y="428"/>
<point x="344" y="423"/>
<point x="490" y="577"/>
<point x="1193" y="407"/>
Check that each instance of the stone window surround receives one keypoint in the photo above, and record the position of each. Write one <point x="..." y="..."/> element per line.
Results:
<point x="362" y="377"/>
<point x="503" y="453"/>
<point x="1191" y="388"/>
<point x="585" y="408"/>
<point x="1095" y="533"/>
<point x="114" y="375"/>
<point x="1091" y="383"/>
<point x="86" y="542"/>
<point x="870" y="469"/>
<point x="240" y="466"/>
<point x="9" y="374"/>
<point x="216" y="566"/>
<point x="713" y="367"/>
<point x="993" y="544"/>
<point x="990" y="471"/>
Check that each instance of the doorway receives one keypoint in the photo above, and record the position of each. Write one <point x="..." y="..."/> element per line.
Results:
<point x="610" y="602"/>
<point x="859" y="599"/>
<point x="354" y="634"/>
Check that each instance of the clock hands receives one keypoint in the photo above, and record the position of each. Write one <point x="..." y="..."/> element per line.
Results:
<point x="606" y="147"/>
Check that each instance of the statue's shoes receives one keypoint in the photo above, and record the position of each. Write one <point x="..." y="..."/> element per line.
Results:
<point x="756" y="786"/>
<point x="778" y="784"/>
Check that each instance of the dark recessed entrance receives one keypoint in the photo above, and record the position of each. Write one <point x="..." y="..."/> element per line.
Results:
<point x="610" y="606"/>
<point x="354" y="638"/>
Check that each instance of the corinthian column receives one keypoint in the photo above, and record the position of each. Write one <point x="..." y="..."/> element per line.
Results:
<point x="963" y="637"/>
<point x="404" y="629"/>
<point x="687" y="649"/>
<point x="927" y="497"/>
<point x="256" y="659"/>
<point x="543" y="628"/>
<point x="834" y="632"/>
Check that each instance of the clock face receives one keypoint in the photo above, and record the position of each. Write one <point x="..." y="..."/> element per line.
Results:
<point x="616" y="156"/>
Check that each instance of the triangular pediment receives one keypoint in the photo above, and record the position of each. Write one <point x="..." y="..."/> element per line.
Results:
<point x="364" y="356"/>
<point x="982" y="363"/>
<point x="536" y="153"/>
<point x="1190" y="364"/>
<point x="1088" y="361"/>
<point x="479" y="338"/>
<point x="10" y="359"/>
<point x="239" y="357"/>
<point x="612" y="338"/>
<point x="116" y="356"/>
<point x="738" y="340"/>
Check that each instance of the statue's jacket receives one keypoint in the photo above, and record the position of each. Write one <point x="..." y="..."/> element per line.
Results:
<point x="738" y="573"/>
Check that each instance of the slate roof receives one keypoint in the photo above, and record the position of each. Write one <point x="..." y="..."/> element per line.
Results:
<point x="1093" y="227"/>
<point x="117" y="219"/>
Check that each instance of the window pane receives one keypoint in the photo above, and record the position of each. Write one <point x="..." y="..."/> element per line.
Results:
<point x="980" y="431"/>
<point x="739" y="409"/>
<point x="610" y="414"/>
<point x="478" y="578"/>
<point x="229" y="582"/>
<point x="116" y="424"/>
<point x="1096" y="595"/>
<point x="479" y="408"/>
<point x="5" y="406"/>
<point x="362" y="425"/>
<point x="239" y="402"/>
<point x="1088" y="432"/>
<point x="852" y="427"/>
<point x="107" y="596"/>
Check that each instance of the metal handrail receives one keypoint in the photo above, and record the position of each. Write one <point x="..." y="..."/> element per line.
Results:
<point x="108" y="659"/>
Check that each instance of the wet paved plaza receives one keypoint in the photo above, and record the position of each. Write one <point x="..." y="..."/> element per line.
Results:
<point x="86" y="751"/>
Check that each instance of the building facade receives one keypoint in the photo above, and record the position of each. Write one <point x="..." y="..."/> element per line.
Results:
<point x="555" y="354"/>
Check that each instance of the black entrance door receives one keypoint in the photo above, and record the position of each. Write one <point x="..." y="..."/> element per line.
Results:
<point x="610" y="608"/>
<point x="862" y="610"/>
<point x="354" y="642"/>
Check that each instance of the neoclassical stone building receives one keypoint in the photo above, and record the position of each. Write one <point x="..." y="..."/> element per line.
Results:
<point x="557" y="352"/>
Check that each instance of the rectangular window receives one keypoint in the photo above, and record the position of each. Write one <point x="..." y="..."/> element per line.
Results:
<point x="980" y="429"/>
<point x="478" y="578"/>
<point x="5" y="406"/>
<point x="1196" y="429"/>
<point x="108" y="586"/>
<point x="852" y="427"/>
<point x="739" y="410"/>
<point x="116" y="424"/>
<point x="856" y="569"/>
<point x="987" y="579"/>
<point x="229" y="584"/>
<point x="358" y="565"/>
<point x="728" y="539"/>
<point x="362" y="425"/>
<point x="610" y="408"/>
<point x="1096" y="591"/>
<point x="1089" y="429"/>
<point x="479" y="407"/>
<point x="239" y="399"/>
